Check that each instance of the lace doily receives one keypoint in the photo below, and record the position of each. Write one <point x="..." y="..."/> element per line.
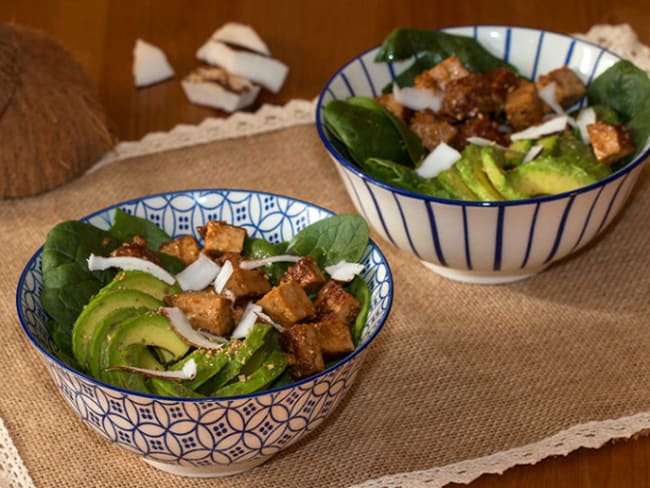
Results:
<point x="620" y="39"/>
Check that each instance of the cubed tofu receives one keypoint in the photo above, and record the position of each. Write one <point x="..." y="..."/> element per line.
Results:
<point x="569" y="88"/>
<point x="306" y="273"/>
<point x="334" y="303"/>
<point x="247" y="283"/>
<point x="397" y="109"/>
<point x="523" y="106"/>
<point x="205" y="310"/>
<point x="610" y="142"/>
<point x="222" y="237"/>
<point x="478" y="127"/>
<point x="184" y="248"/>
<point x="287" y="304"/>
<point x="334" y="337"/>
<point x="137" y="248"/>
<point x="502" y="82"/>
<point x="468" y="97"/>
<point x="432" y="129"/>
<point x="441" y="74"/>
<point x="301" y="345"/>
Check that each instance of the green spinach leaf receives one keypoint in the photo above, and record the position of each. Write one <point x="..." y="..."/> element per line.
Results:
<point x="333" y="239"/>
<point x="430" y="47"/>
<point x="403" y="177"/>
<point x="125" y="227"/>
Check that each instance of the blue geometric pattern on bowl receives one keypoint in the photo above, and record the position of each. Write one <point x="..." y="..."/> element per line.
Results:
<point x="483" y="242"/>
<point x="208" y="437"/>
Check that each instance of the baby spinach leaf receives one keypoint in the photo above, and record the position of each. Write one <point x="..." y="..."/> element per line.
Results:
<point x="626" y="89"/>
<point x="430" y="47"/>
<point x="331" y="240"/>
<point x="125" y="227"/>
<point x="403" y="177"/>
<point x="365" y="132"/>
<point x="255" y="248"/>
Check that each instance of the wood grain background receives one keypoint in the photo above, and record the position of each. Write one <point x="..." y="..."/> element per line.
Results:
<point x="313" y="39"/>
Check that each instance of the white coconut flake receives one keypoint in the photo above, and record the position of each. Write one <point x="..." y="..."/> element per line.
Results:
<point x="199" y="274"/>
<point x="483" y="142"/>
<point x="585" y="118"/>
<point x="551" y="126"/>
<point x="150" y="64"/>
<point x="100" y="263"/>
<point x="241" y="35"/>
<point x="417" y="98"/>
<point x="547" y="93"/>
<point x="532" y="153"/>
<point x="441" y="158"/>
<point x="188" y="372"/>
<point x="183" y="328"/>
<point x="257" y="263"/>
<point x="215" y="87"/>
<point x="247" y="321"/>
<point x="266" y="71"/>
<point x="222" y="278"/>
<point x="344" y="271"/>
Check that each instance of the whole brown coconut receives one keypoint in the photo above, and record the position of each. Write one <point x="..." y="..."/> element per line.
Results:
<point x="52" y="128"/>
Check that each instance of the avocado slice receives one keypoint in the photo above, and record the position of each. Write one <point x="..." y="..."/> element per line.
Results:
<point x="574" y="151"/>
<point x="451" y="181"/>
<point x="547" y="176"/>
<point x="172" y="388"/>
<point x="272" y="367"/>
<point x="492" y="163"/>
<point x="208" y="363"/>
<point x="99" y="307"/>
<point x="127" y="347"/>
<point x="549" y="145"/>
<point x="143" y="281"/>
<point x="519" y="148"/>
<point x="470" y="168"/>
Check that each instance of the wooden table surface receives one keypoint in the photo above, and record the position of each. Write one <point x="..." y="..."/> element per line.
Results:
<point x="313" y="39"/>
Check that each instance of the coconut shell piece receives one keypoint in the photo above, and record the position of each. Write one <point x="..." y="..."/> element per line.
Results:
<point x="52" y="127"/>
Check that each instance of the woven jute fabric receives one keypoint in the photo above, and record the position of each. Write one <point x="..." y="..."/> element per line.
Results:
<point x="459" y="371"/>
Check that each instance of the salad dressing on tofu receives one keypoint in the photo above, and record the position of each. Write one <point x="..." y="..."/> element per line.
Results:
<point x="462" y="124"/>
<point x="261" y="316"/>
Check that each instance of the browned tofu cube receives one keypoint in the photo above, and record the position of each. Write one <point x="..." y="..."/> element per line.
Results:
<point x="468" y="97"/>
<point x="397" y="109"/>
<point x="334" y="303"/>
<point x="502" y="82"/>
<point x="247" y="283"/>
<point x="334" y="337"/>
<point x="523" y="106"/>
<point x="478" y="127"/>
<point x="287" y="304"/>
<point x="432" y="129"/>
<point x="222" y="237"/>
<point x="137" y="248"/>
<point x="205" y="310"/>
<point x="610" y="142"/>
<point x="569" y="88"/>
<point x="301" y="345"/>
<point x="306" y="273"/>
<point x="441" y="74"/>
<point x="184" y="248"/>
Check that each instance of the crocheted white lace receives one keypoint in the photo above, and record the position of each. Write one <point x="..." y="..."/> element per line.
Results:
<point x="620" y="39"/>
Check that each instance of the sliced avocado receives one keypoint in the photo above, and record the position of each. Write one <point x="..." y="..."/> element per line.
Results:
<point x="143" y="281"/>
<point x="131" y="335"/>
<point x="272" y="367"/>
<point x="574" y="151"/>
<point x="470" y="167"/>
<point x="172" y="388"/>
<point x="208" y="363"/>
<point x="237" y="358"/>
<point x="99" y="308"/>
<point x="519" y="149"/>
<point x="492" y="163"/>
<point x="103" y="333"/>
<point x="549" y="145"/>
<point x="451" y="181"/>
<point x="547" y="176"/>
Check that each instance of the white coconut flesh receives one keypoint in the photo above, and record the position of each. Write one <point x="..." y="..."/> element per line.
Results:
<point x="585" y="118"/>
<point x="100" y="263"/>
<point x="241" y="35"/>
<point x="344" y="271"/>
<point x="440" y="159"/>
<point x="417" y="98"/>
<point x="199" y="274"/>
<point x="213" y="87"/>
<point x="150" y="64"/>
<point x="551" y="126"/>
<point x="268" y="72"/>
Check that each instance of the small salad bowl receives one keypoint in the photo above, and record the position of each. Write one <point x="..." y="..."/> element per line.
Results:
<point x="207" y="437"/>
<point x="483" y="242"/>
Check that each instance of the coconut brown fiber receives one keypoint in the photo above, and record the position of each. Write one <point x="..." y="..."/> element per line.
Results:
<point x="52" y="128"/>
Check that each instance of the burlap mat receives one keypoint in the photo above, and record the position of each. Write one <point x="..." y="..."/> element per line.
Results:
<point x="459" y="373"/>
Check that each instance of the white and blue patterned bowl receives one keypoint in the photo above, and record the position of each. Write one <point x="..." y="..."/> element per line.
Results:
<point x="478" y="242"/>
<point x="208" y="437"/>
